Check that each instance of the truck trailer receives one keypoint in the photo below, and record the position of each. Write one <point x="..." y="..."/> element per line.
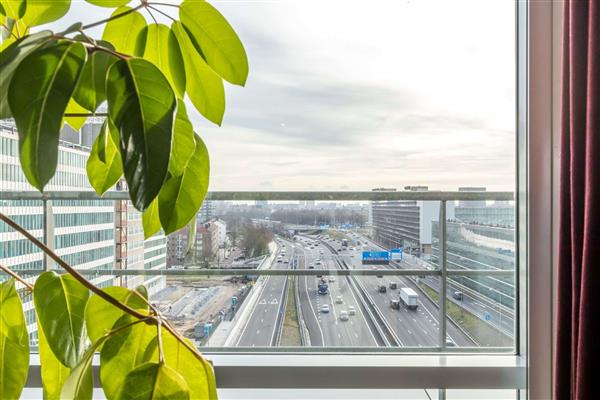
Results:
<point x="409" y="297"/>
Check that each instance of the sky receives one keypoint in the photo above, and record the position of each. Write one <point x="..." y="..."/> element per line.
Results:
<point x="353" y="95"/>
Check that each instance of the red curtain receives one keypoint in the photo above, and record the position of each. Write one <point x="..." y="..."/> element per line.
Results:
<point x="577" y="352"/>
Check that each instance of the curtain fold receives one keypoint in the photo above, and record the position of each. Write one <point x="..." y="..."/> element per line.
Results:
<point x="577" y="350"/>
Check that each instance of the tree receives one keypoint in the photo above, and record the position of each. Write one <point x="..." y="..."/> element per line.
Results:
<point x="142" y="73"/>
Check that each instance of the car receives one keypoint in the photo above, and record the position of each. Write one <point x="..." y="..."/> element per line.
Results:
<point x="339" y="299"/>
<point x="343" y="315"/>
<point x="458" y="296"/>
<point x="351" y="310"/>
<point x="332" y="279"/>
<point x="286" y="262"/>
<point x="450" y="342"/>
<point x="382" y="289"/>
<point x="395" y="304"/>
<point x="393" y="285"/>
<point x="325" y="308"/>
<point x="311" y="267"/>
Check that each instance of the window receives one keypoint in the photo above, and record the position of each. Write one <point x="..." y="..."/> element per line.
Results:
<point x="413" y="270"/>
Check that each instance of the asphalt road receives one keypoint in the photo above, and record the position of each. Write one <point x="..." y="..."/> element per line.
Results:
<point x="261" y="327"/>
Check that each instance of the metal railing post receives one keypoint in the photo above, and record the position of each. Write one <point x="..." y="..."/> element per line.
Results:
<point x="443" y="270"/>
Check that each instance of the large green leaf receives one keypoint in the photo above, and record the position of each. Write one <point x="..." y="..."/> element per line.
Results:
<point x="154" y="381"/>
<point x="161" y="48"/>
<point x="79" y="385"/>
<point x="10" y="58"/>
<point x="123" y="32"/>
<point x="91" y="89"/>
<point x="60" y="302"/>
<point x="109" y="3"/>
<point x="123" y="352"/>
<point x="54" y="373"/>
<point x="73" y="108"/>
<point x="40" y="12"/>
<point x="150" y="220"/>
<point x="196" y="371"/>
<point x="203" y="85"/>
<point x="14" y="9"/>
<point x="14" y="343"/>
<point x="216" y="40"/>
<point x="142" y="106"/>
<point x="181" y="197"/>
<point x="101" y="316"/>
<point x="104" y="174"/>
<point x="50" y="75"/>
<point x="184" y="143"/>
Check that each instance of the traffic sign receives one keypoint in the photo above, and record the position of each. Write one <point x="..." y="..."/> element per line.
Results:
<point x="375" y="257"/>
<point x="487" y="316"/>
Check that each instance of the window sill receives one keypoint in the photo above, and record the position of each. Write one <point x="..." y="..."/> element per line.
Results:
<point x="356" y="371"/>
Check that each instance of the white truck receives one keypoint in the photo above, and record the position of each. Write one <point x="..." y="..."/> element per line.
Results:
<point x="409" y="297"/>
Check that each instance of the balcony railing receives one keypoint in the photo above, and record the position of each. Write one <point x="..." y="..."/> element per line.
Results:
<point x="435" y="281"/>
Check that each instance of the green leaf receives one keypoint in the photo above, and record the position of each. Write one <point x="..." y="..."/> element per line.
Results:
<point x="123" y="352"/>
<point x="10" y="58"/>
<point x="101" y="316"/>
<point x="14" y="343"/>
<point x="216" y="40"/>
<point x="60" y="302"/>
<point x="181" y="197"/>
<point x="162" y="50"/>
<point x="109" y="3"/>
<point x="123" y="32"/>
<point x="184" y="143"/>
<point x="105" y="174"/>
<point x="14" y="9"/>
<point x="142" y="104"/>
<point x="154" y="381"/>
<point x="50" y="75"/>
<point x="73" y="108"/>
<point x="195" y="370"/>
<point x="40" y="12"/>
<point x="150" y="220"/>
<point x="91" y="89"/>
<point x="79" y="384"/>
<point x="203" y="85"/>
<point x="141" y="289"/>
<point x="54" y="373"/>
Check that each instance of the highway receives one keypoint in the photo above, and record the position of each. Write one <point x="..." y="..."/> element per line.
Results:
<point x="374" y="323"/>
<point x="262" y="327"/>
<point x="499" y="316"/>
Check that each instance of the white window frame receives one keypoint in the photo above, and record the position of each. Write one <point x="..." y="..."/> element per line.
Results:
<point x="529" y="371"/>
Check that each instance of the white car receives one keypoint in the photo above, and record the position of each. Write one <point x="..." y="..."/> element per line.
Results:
<point x="325" y="308"/>
<point x="351" y="310"/>
<point x="339" y="299"/>
<point x="331" y="279"/>
<point x="343" y="315"/>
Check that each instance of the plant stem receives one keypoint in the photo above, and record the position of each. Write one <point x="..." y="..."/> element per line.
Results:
<point x="113" y="17"/>
<point x="71" y="270"/>
<point x="161" y="354"/>
<point x="17" y="277"/>
<point x="163" y="13"/>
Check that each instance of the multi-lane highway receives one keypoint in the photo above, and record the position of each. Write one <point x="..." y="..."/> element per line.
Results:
<point x="262" y="327"/>
<point x="372" y="323"/>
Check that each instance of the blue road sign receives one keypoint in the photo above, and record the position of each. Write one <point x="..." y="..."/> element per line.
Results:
<point x="375" y="257"/>
<point x="487" y="316"/>
<point x="397" y="254"/>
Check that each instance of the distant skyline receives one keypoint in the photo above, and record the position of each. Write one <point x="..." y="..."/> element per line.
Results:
<point x="353" y="95"/>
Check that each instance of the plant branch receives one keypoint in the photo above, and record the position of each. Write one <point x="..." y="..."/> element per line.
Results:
<point x="113" y="17"/>
<point x="71" y="270"/>
<point x="161" y="354"/>
<point x="17" y="277"/>
<point x="151" y="15"/>
<point x="163" y="13"/>
<point x="10" y="32"/>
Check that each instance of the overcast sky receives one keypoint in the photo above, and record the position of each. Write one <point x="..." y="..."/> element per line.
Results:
<point x="363" y="94"/>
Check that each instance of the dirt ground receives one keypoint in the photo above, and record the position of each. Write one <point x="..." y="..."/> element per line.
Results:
<point x="219" y="298"/>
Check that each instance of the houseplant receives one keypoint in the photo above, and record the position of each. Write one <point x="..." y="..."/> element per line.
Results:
<point x="142" y="72"/>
